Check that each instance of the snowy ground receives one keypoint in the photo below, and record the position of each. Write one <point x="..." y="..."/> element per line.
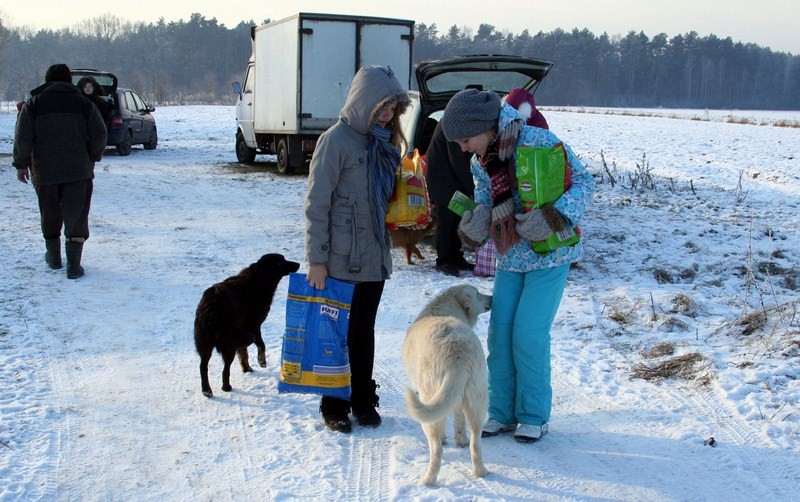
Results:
<point x="99" y="389"/>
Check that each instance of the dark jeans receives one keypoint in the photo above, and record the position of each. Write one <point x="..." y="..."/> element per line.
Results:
<point x="361" y="336"/>
<point x="66" y="205"/>
<point x="361" y="342"/>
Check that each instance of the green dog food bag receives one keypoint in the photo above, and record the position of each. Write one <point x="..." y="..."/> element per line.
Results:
<point x="542" y="176"/>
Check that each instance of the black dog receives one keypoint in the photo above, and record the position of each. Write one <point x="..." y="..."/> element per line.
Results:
<point x="231" y="312"/>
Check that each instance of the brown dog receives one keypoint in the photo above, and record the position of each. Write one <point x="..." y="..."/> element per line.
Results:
<point x="408" y="239"/>
<point x="231" y="312"/>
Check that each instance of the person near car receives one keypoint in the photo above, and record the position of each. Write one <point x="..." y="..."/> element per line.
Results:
<point x="350" y="181"/>
<point x="94" y="91"/>
<point x="524" y="103"/>
<point x="448" y="172"/>
<point x="528" y="286"/>
<point x="58" y="138"/>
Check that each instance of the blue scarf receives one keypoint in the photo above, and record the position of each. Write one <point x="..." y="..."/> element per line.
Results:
<point x="382" y="161"/>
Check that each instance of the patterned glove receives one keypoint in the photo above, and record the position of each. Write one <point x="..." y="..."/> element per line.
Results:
<point x="539" y="224"/>
<point x="474" y="226"/>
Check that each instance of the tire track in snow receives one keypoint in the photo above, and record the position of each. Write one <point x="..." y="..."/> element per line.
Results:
<point x="780" y="475"/>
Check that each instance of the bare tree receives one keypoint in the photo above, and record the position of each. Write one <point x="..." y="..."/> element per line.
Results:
<point x="105" y="27"/>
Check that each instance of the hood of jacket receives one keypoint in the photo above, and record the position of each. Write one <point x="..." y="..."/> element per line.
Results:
<point x="508" y="114"/>
<point x="373" y="88"/>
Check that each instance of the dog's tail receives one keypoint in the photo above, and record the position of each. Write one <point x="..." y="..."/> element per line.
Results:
<point x="443" y="402"/>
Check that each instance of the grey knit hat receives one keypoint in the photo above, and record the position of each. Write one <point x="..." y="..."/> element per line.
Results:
<point x="469" y="113"/>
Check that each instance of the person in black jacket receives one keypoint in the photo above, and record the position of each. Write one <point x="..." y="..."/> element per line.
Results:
<point x="59" y="137"/>
<point x="448" y="171"/>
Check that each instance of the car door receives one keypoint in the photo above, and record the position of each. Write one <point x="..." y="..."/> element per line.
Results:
<point x="144" y="118"/>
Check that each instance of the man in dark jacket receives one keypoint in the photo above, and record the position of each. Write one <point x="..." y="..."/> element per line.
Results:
<point x="448" y="171"/>
<point x="59" y="136"/>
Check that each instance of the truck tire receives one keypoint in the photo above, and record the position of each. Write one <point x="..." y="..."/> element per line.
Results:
<point x="244" y="153"/>
<point x="284" y="164"/>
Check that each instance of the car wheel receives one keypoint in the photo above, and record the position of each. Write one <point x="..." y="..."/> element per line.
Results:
<point x="152" y="141"/>
<point x="284" y="166"/>
<point x="124" y="148"/>
<point x="244" y="153"/>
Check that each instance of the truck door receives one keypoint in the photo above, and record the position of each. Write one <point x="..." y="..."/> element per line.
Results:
<point x="383" y="45"/>
<point x="244" y="108"/>
<point x="329" y="63"/>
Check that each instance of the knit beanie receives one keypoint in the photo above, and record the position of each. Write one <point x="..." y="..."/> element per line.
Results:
<point x="522" y="101"/>
<point x="469" y="113"/>
<point x="58" y="73"/>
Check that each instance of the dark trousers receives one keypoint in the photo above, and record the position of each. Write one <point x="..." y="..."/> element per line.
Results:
<point x="66" y="205"/>
<point x="361" y="337"/>
<point x="448" y="244"/>
<point x="361" y="345"/>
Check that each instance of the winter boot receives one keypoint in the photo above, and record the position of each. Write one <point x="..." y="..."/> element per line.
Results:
<point x="364" y="403"/>
<point x="74" y="249"/>
<point x="53" y="254"/>
<point x="334" y="414"/>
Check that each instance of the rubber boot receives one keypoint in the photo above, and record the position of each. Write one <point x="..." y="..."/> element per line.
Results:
<point x="365" y="400"/>
<point x="74" y="249"/>
<point x="53" y="254"/>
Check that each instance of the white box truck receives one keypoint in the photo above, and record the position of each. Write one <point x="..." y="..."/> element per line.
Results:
<point x="299" y="74"/>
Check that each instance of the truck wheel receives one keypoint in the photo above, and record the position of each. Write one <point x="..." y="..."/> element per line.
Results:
<point x="284" y="166"/>
<point x="244" y="153"/>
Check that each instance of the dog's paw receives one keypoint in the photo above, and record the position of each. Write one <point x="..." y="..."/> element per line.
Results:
<point x="428" y="480"/>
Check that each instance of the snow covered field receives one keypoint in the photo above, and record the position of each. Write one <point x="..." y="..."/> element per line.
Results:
<point x="691" y="254"/>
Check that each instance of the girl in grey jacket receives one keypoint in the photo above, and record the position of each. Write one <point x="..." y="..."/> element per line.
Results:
<point x="350" y="181"/>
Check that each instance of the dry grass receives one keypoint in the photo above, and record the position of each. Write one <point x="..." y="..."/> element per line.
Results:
<point x="752" y="322"/>
<point x="684" y="366"/>
<point x="660" y="350"/>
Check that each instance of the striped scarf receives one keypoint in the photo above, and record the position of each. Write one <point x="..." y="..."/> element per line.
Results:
<point x="498" y="161"/>
<point x="382" y="161"/>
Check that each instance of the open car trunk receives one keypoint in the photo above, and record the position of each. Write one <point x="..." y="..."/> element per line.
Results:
<point x="439" y="80"/>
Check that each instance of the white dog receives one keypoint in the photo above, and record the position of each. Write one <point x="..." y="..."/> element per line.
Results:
<point x="445" y="362"/>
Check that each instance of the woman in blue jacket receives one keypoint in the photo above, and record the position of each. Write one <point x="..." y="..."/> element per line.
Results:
<point x="528" y="285"/>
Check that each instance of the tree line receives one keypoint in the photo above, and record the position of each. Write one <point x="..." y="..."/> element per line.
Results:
<point x="195" y="61"/>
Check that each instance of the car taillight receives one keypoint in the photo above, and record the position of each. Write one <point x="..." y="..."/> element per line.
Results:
<point x="116" y="121"/>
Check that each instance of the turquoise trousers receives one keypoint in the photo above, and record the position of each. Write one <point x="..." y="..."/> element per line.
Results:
<point x="524" y="305"/>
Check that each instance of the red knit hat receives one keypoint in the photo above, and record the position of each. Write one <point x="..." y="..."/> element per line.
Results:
<point x="523" y="102"/>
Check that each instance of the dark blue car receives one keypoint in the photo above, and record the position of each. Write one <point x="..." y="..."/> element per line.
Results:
<point x="130" y="121"/>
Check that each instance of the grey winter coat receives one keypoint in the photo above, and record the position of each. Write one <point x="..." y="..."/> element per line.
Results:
<point x="340" y="231"/>
<point x="60" y="135"/>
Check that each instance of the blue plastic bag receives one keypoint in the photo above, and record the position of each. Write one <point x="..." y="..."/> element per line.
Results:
<point x="314" y="358"/>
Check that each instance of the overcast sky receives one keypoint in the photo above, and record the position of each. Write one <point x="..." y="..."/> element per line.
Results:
<point x="769" y="23"/>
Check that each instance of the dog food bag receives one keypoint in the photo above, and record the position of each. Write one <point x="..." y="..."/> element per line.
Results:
<point x="543" y="174"/>
<point x="408" y="205"/>
<point x="460" y="203"/>
<point x="314" y="358"/>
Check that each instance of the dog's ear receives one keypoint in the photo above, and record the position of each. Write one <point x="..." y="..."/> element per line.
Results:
<point x="465" y="301"/>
